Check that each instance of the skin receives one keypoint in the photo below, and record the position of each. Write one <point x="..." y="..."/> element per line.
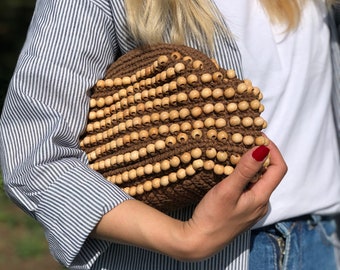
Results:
<point x="227" y="210"/>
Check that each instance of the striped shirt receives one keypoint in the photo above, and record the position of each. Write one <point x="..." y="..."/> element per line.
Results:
<point x="68" y="48"/>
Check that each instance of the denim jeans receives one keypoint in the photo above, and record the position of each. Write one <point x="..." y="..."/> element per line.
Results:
<point x="308" y="243"/>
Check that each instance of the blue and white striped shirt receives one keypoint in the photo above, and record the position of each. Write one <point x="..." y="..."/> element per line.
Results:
<point x="68" y="48"/>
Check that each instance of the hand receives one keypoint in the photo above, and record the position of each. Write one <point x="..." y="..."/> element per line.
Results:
<point x="228" y="209"/>
<point x="235" y="204"/>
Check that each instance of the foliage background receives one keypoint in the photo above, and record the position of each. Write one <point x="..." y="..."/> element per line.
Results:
<point x="22" y="245"/>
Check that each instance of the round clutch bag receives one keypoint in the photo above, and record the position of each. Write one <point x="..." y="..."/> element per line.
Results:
<point x="167" y="123"/>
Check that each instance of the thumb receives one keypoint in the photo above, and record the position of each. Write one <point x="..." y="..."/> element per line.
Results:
<point x="247" y="168"/>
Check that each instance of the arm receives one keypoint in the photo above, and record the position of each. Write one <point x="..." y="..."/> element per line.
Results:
<point x="227" y="210"/>
<point x="68" y="47"/>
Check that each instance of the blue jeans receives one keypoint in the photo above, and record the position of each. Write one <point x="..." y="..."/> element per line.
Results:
<point x="307" y="243"/>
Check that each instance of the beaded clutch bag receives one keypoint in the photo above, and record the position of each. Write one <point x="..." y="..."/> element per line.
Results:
<point x="167" y="123"/>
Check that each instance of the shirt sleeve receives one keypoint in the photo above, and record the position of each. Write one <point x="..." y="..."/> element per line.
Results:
<point x="68" y="47"/>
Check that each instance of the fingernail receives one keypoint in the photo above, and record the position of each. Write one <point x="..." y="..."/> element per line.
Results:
<point x="260" y="153"/>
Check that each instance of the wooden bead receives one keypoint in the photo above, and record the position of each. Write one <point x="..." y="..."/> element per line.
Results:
<point x="208" y="108"/>
<point x="212" y="134"/>
<point x="134" y="155"/>
<point x="209" y="122"/>
<point x="163" y="130"/>
<point x="184" y="113"/>
<point x="243" y="105"/>
<point x="206" y="93"/>
<point x="255" y="104"/>
<point x="234" y="159"/>
<point x="150" y="148"/>
<point x="197" y="164"/>
<point x="147" y="186"/>
<point x="170" y="73"/>
<point x="175" y="161"/>
<point x="120" y="159"/>
<point x="194" y="95"/>
<point x="192" y="79"/>
<point x="164" y="181"/>
<point x="217" y="93"/>
<point x="174" y="115"/>
<point x="157" y="167"/>
<point x="140" y="189"/>
<point x="157" y="103"/>
<point x="197" y="64"/>
<point x="258" y="121"/>
<point x="134" y="136"/>
<point x="219" y="169"/>
<point x="248" y="140"/>
<point x="217" y="76"/>
<point x="132" y="191"/>
<point x="100" y="84"/>
<point x="208" y="165"/>
<point x="162" y="60"/>
<point x="165" y="165"/>
<point x="140" y="171"/>
<point x="165" y="102"/>
<point x="228" y="170"/>
<point x="181" y="81"/>
<point x="179" y="68"/>
<point x="176" y="55"/>
<point x="155" y="117"/>
<point x="196" y="111"/>
<point x="148" y="169"/>
<point x="211" y="153"/>
<point x="173" y="86"/>
<point x="181" y="174"/>
<point x="196" y="134"/>
<point x="220" y="123"/>
<point x="206" y="78"/>
<point x="182" y="138"/>
<point x="235" y="120"/>
<point x="153" y="132"/>
<point x="260" y="140"/>
<point x="186" y="157"/>
<point x="170" y="141"/>
<point x="143" y="135"/>
<point x="247" y="121"/>
<point x="146" y="119"/>
<point x="190" y="170"/>
<point x="231" y="74"/>
<point x="222" y="136"/>
<point x="142" y="152"/>
<point x="232" y="107"/>
<point x="186" y="126"/>
<point x="156" y="183"/>
<point x="219" y="107"/>
<point x="182" y="98"/>
<point x="149" y="105"/>
<point x="140" y="108"/>
<point x="125" y="176"/>
<point x="222" y="156"/>
<point x="196" y="153"/>
<point x="117" y="82"/>
<point x="241" y="88"/>
<point x="164" y="116"/>
<point x="175" y="128"/>
<point x="237" y="137"/>
<point x="198" y="124"/>
<point x="160" y="145"/>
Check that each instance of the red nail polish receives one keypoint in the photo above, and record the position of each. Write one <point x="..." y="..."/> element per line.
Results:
<point x="260" y="153"/>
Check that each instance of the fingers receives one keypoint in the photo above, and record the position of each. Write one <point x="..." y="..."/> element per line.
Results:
<point x="273" y="175"/>
<point x="247" y="168"/>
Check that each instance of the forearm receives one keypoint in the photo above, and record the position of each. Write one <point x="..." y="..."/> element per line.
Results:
<point x="133" y="222"/>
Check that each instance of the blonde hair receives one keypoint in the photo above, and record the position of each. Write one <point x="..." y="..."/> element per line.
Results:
<point x="149" y="19"/>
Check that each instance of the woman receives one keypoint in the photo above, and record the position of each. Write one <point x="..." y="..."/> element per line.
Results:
<point x="68" y="48"/>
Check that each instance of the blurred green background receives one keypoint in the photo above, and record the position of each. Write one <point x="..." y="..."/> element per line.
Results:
<point x="22" y="242"/>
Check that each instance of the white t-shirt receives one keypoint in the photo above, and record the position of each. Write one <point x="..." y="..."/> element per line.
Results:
<point x="293" y="70"/>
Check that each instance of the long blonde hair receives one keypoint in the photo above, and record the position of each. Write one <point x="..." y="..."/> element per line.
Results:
<point x="148" y="19"/>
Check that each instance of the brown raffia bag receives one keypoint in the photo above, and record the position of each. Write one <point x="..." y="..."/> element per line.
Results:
<point x="167" y="123"/>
